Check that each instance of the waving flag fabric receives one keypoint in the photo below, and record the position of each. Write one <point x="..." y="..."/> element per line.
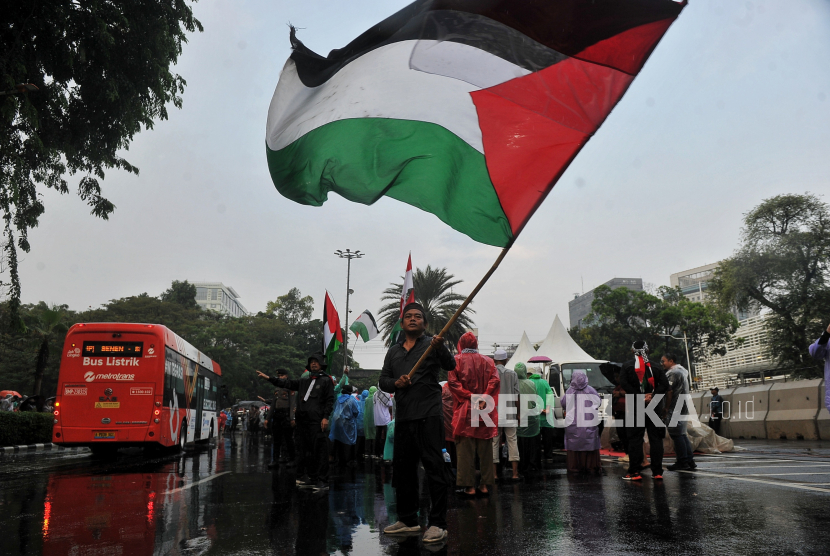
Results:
<point x="468" y="109"/>
<point x="365" y="327"/>
<point x="332" y="334"/>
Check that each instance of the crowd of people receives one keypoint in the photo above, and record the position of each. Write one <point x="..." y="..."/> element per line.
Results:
<point x="486" y="423"/>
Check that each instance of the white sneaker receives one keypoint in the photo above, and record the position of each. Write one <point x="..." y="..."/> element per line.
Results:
<point x="435" y="534"/>
<point x="401" y="528"/>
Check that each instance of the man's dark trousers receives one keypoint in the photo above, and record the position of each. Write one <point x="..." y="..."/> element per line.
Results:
<point x="635" y="447"/>
<point x="420" y="440"/>
<point x="314" y="456"/>
<point x="715" y="421"/>
<point x="282" y="432"/>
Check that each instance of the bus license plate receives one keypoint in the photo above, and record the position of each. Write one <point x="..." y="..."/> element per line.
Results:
<point x="107" y="405"/>
<point x="104" y="435"/>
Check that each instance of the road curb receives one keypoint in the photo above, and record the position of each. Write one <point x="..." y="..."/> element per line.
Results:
<point x="31" y="448"/>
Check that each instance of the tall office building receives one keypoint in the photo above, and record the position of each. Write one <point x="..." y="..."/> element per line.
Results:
<point x="580" y="305"/>
<point x="216" y="296"/>
<point x="694" y="283"/>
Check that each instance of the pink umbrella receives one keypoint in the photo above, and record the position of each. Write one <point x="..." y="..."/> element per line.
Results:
<point x="540" y="359"/>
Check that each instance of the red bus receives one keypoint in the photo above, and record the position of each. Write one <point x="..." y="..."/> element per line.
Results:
<point x="133" y="385"/>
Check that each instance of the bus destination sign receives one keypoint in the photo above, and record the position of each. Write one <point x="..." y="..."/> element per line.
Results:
<point x="115" y="349"/>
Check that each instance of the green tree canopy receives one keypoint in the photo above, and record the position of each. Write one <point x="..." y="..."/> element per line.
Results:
<point x="182" y="293"/>
<point x="783" y="265"/>
<point x="292" y="308"/>
<point x="433" y="290"/>
<point x="620" y="316"/>
<point x="102" y="70"/>
<point x="241" y="345"/>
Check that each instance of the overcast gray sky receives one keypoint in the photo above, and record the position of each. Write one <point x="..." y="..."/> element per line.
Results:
<point x="731" y="108"/>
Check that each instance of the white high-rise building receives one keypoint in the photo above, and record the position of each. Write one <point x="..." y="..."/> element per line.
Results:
<point x="216" y="296"/>
<point x="748" y="358"/>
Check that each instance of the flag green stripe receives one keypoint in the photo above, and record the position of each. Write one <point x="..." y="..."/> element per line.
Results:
<point x="419" y="163"/>
<point x="360" y="329"/>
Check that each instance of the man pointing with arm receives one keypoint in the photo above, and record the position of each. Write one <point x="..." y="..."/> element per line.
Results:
<point x="419" y="426"/>
<point x="315" y="404"/>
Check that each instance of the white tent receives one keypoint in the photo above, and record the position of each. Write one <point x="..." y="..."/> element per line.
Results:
<point x="560" y="347"/>
<point x="524" y="352"/>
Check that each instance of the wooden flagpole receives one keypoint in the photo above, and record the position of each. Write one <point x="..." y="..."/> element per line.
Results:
<point x="464" y="305"/>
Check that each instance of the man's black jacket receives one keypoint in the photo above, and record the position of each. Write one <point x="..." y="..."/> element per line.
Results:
<point x="423" y="397"/>
<point x="284" y="398"/>
<point x="632" y="385"/>
<point x="319" y="403"/>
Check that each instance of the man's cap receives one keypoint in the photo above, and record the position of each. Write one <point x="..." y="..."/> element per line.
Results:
<point x="500" y="355"/>
<point x="715" y="388"/>
<point x="415" y="305"/>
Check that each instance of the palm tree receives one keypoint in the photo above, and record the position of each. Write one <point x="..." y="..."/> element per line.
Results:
<point x="433" y="290"/>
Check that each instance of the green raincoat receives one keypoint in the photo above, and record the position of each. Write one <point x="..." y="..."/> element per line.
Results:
<point x="526" y="387"/>
<point x="369" y="415"/>
<point x="544" y="390"/>
<point x="389" y="447"/>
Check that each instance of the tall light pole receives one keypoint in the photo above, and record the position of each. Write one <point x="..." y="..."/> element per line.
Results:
<point x="348" y="255"/>
<point x="686" y="342"/>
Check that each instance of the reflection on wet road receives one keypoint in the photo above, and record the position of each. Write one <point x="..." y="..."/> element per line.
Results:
<point x="223" y="500"/>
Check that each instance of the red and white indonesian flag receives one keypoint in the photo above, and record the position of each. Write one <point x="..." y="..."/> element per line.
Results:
<point x="407" y="296"/>
<point x="468" y="109"/>
<point x="332" y="335"/>
<point x="408" y="290"/>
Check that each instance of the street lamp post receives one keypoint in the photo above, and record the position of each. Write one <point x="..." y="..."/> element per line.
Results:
<point x="686" y="343"/>
<point x="348" y="255"/>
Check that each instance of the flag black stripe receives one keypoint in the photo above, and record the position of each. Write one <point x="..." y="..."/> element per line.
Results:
<point x="533" y="34"/>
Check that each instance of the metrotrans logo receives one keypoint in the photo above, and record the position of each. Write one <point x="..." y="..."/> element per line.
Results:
<point x="91" y="376"/>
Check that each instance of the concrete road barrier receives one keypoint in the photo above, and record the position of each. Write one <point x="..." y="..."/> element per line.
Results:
<point x="747" y="411"/>
<point x="697" y="399"/>
<point x="823" y="424"/>
<point x="704" y="407"/>
<point x="793" y="408"/>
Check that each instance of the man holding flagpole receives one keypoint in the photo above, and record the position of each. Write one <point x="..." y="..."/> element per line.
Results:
<point x="419" y="426"/>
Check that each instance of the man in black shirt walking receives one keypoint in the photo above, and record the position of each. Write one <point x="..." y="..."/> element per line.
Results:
<point x="419" y="425"/>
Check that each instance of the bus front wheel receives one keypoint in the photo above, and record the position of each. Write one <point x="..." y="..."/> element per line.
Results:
<point x="183" y="435"/>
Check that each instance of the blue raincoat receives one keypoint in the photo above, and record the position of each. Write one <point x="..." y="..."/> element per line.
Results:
<point x="361" y="410"/>
<point x="344" y="420"/>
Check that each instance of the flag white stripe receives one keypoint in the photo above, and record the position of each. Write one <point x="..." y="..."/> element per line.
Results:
<point x="381" y="84"/>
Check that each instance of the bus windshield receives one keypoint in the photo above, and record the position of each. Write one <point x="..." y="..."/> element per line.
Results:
<point x="595" y="377"/>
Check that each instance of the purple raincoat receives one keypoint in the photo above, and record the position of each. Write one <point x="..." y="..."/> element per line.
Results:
<point x="580" y="439"/>
<point x="820" y="352"/>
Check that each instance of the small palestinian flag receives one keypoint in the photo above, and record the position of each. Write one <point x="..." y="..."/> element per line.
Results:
<point x="332" y="334"/>
<point x="365" y="327"/>
<point x="407" y="296"/>
<point x="468" y="109"/>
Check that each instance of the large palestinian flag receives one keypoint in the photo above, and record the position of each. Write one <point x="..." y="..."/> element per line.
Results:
<point x="468" y="109"/>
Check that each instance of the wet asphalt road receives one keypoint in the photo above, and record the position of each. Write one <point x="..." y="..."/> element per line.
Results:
<point x="772" y="499"/>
